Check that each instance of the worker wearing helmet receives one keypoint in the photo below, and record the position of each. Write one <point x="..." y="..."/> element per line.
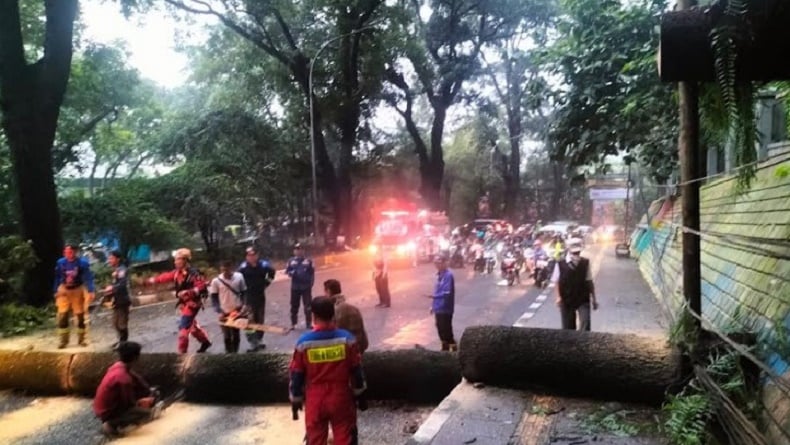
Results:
<point x="190" y="288"/>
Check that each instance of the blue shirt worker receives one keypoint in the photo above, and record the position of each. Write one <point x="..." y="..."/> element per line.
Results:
<point x="73" y="280"/>
<point x="444" y="303"/>
<point x="302" y="273"/>
<point x="258" y="274"/>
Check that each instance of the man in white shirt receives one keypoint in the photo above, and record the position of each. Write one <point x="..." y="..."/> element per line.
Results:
<point x="227" y="297"/>
<point x="573" y="287"/>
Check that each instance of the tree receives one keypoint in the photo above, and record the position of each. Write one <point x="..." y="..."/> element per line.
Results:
<point x="613" y="101"/>
<point x="31" y="95"/>
<point x="520" y="86"/>
<point x="125" y="212"/>
<point x="291" y="33"/>
<point x="444" y="56"/>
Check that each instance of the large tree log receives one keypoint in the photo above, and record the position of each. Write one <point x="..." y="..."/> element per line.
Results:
<point x="686" y="54"/>
<point x="411" y="375"/>
<point x="44" y="373"/>
<point x="585" y="364"/>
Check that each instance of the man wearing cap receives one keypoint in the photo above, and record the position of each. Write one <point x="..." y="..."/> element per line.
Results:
<point x="258" y="274"/>
<point x="302" y="274"/>
<point x="444" y="303"/>
<point x="73" y="280"/>
<point x="190" y="288"/>
<point x="574" y="288"/>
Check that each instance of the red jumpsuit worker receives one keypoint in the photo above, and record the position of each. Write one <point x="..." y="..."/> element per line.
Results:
<point x="326" y="373"/>
<point x="190" y="287"/>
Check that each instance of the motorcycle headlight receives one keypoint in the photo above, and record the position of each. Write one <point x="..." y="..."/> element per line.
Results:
<point x="444" y="244"/>
<point x="500" y="247"/>
<point x="373" y="248"/>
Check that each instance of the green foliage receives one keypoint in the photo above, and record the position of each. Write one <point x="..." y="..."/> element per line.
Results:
<point x="16" y="319"/>
<point x="16" y="258"/>
<point x="782" y="171"/>
<point x="126" y="211"/>
<point x="614" y="101"/>
<point x="618" y="423"/>
<point x="688" y="416"/>
<point x="684" y="333"/>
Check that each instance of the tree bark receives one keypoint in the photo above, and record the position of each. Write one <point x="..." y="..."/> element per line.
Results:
<point x="418" y="376"/>
<point x="686" y="53"/>
<point x="513" y="177"/>
<point x="581" y="364"/>
<point x="31" y="99"/>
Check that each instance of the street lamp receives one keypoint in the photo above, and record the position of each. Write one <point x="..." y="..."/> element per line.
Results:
<point x="312" y="119"/>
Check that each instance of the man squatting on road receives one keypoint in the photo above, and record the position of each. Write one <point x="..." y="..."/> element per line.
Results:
<point x="73" y="281"/>
<point x="227" y="296"/>
<point x="258" y="274"/>
<point x="123" y="397"/>
<point x="326" y="374"/>
<point x="573" y="286"/>
<point x="190" y="288"/>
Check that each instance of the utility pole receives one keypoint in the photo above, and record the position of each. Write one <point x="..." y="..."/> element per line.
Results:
<point x="688" y="151"/>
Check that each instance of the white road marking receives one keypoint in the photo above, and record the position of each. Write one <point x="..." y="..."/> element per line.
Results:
<point x="535" y="305"/>
<point x="542" y="297"/>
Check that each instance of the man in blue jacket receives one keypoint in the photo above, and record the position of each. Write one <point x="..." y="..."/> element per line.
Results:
<point x="444" y="303"/>
<point x="302" y="274"/>
<point x="258" y="274"/>
<point x="73" y="280"/>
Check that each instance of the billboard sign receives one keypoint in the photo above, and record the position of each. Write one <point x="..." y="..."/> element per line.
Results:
<point x="608" y="194"/>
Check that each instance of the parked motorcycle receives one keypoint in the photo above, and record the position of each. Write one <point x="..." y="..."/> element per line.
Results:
<point x="456" y="256"/>
<point x="490" y="260"/>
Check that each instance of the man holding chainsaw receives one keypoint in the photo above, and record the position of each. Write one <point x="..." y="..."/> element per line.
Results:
<point x="227" y="296"/>
<point x="190" y="288"/>
<point x="258" y="275"/>
<point x="326" y="374"/>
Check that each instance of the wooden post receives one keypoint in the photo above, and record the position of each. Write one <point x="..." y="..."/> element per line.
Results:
<point x="688" y="148"/>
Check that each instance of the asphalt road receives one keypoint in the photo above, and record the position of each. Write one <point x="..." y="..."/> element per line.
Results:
<point x="480" y="299"/>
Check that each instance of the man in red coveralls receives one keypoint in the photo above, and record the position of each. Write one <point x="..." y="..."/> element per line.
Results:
<point x="326" y="372"/>
<point x="123" y="397"/>
<point x="190" y="288"/>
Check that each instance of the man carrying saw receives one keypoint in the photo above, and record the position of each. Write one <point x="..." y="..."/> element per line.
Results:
<point x="227" y="296"/>
<point x="190" y="288"/>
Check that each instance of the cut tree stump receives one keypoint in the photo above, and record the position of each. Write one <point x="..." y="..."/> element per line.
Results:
<point x="582" y="364"/>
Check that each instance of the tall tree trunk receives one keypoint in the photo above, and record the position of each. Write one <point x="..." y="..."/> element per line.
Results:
<point x="31" y="96"/>
<point x="558" y="190"/>
<point x="433" y="171"/>
<point x="92" y="177"/>
<point x="512" y="181"/>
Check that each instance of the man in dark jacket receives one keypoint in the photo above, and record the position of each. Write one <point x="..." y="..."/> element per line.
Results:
<point x="444" y="303"/>
<point x="302" y="273"/>
<point x="119" y="292"/>
<point x="258" y="274"/>
<point x="574" y="288"/>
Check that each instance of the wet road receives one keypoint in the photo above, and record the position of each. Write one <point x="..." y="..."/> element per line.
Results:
<point x="480" y="299"/>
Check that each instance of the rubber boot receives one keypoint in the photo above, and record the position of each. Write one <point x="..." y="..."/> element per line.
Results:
<point x="81" y="338"/>
<point x="64" y="338"/>
<point x="445" y="346"/>
<point x="123" y="335"/>
<point x="453" y="347"/>
<point x="203" y="347"/>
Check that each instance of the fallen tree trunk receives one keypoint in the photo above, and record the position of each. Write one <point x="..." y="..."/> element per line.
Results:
<point x="409" y="375"/>
<point x="584" y="364"/>
<point x="44" y="373"/>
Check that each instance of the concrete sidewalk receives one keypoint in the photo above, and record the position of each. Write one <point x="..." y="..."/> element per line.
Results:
<point x="495" y="416"/>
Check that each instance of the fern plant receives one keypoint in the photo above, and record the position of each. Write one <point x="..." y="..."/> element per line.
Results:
<point x="737" y="96"/>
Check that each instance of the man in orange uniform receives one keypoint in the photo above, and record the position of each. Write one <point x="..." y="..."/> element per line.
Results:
<point x="190" y="288"/>
<point x="326" y="372"/>
<point x="73" y="280"/>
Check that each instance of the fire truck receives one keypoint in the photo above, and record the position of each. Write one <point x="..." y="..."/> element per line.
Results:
<point x="408" y="237"/>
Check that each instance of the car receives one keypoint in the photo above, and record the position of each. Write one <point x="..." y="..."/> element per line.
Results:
<point x="397" y="250"/>
<point x="608" y="233"/>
